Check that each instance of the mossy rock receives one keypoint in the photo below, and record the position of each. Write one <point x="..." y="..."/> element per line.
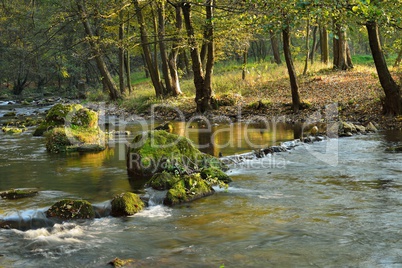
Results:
<point x="116" y="262"/>
<point x="126" y="204"/>
<point x="157" y="151"/>
<point x="18" y="193"/>
<point x="85" y="118"/>
<point x="12" y="130"/>
<point x="68" y="209"/>
<point x="57" y="116"/>
<point x="162" y="181"/>
<point x="188" y="188"/>
<point x="74" y="139"/>
<point x="215" y="173"/>
<point x="10" y="114"/>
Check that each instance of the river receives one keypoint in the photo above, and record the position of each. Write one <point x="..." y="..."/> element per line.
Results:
<point x="334" y="203"/>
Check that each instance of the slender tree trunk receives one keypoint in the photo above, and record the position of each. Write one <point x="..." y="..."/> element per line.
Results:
<point x="314" y="46"/>
<point x="162" y="48"/>
<point x="153" y="72"/>
<point x="121" y="53"/>
<point x="275" y="47"/>
<point x="174" y="54"/>
<point x="291" y="70"/>
<point x="307" y="47"/>
<point x="209" y="37"/>
<point x="244" y="71"/>
<point x="106" y="78"/>
<point x="127" y="59"/>
<point x="324" y="45"/>
<point x="398" y="59"/>
<point x="392" y="103"/>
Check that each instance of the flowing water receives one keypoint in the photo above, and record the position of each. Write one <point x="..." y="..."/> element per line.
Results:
<point x="334" y="203"/>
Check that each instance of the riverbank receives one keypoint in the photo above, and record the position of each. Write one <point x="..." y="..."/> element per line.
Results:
<point x="352" y="96"/>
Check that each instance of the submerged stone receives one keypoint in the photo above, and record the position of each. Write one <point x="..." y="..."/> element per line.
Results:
<point x="157" y="151"/>
<point x="126" y="204"/>
<point x="68" y="209"/>
<point x="18" y="193"/>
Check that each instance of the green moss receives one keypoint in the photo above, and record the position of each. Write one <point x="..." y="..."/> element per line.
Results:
<point x="56" y="116"/>
<point x="162" y="181"/>
<point x="215" y="173"/>
<point x="12" y="130"/>
<point x="18" y="193"/>
<point x="116" y="262"/>
<point x="71" y="209"/>
<point x="157" y="151"/>
<point x="73" y="139"/>
<point x="188" y="188"/>
<point x="126" y="204"/>
<point x="85" y="118"/>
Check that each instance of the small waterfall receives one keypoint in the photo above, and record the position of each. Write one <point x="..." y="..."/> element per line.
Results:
<point x="155" y="197"/>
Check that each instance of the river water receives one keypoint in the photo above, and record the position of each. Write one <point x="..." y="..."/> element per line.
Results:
<point x="334" y="203"/>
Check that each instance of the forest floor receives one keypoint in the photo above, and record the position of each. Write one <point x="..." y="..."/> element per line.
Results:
<point x="354" y="96"/>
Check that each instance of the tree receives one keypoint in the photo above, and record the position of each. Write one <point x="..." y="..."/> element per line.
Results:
<point x="373" y="12"/>
<point x="152" y="69"/>
<point x="392" y="102"/>
<point x="202" y="79"/>
<point x="106" y="77"/>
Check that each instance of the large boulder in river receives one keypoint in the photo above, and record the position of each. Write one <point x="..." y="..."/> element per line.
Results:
<point x="188" y="188"/>
<point x="79" y="130"/>
<point x="157" y="151"/>
<point x="68" y="209"/>
<point x="57" y="116"/>
<point x="126" y="204"/>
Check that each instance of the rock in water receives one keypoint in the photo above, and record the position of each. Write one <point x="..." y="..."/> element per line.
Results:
<point x="68" y="209"/>
<point x="157" y="151"/>
<point x="126" y="204"/>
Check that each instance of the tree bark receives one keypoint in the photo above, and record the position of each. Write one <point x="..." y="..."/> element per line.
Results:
<point x="162" y="48"/>
<point x="106" y="77"/>
<point x="174" y="54"/>
<point x="121" y="53"/>
<point x="202" y="87"/>
<point x="275" y="47"/>
<point x="314" y="46"/>
<point x="291" y="70"/>
<point x="392" y="103"/>
<point x="341" y="49"/>
<point x="324" y="45"/>
<point x="209" y="37"/>
<point x="307" y="47"/>
<point x="147" y="52"/>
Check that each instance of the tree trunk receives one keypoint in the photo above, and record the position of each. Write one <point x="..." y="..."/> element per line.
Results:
<point x="314" y="46"/>
<point x="291" y="70"/>
<point x="398" y="59"/>
<point x="147" y="52"/>
<point x="162" y="48"/>
<point x="340" y="49"/>
<point x="127" y="62"/>
<point x="106" y="78"/>
<point x="121" y="53"/>
<point x="201" y="97"/>
<point x="174" y="54"/>
<point x="324" y="45"/>
<point x="307" y="47"/>
<point x="275" y="47"/>
<point x="392" y="104"/>
<point x="209" y="37"/>
<point x="244" y="71"/>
